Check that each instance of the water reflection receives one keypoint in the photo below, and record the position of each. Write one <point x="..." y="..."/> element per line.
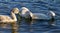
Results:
<point x="28" y="26"/>
<point x="9" y="27"/>
<point x="14" y="28"/>
<point x="29" y="23"/>
<point x="51" y="21"/>
<point x="32" y="26"/>
<point x="41" y="25"/>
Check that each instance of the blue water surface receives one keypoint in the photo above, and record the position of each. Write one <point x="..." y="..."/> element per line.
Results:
<point x="35" y="6"/>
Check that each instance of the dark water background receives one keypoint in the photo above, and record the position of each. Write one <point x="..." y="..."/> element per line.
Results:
<point x="34" y="26"/>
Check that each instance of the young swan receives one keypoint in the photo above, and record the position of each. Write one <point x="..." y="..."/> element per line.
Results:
<point x="11" y="18"/>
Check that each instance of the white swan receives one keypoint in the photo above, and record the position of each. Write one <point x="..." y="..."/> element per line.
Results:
<point x="11" y="18"/>
<point x="25" y="12"/>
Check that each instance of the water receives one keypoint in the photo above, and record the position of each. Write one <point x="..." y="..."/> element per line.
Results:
<point x="33" y="26"/>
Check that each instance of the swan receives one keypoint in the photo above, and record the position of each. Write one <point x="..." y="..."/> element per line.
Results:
<point x="25" y="12"/>
<point x="11" y="18"/>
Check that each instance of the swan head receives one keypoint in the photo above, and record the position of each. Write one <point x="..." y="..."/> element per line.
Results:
<point x="52" y="13"/>
<point x="15" y="10"/>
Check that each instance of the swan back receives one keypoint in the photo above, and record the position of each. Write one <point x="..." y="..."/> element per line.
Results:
<point x="15" y="10"/>
<point x="25" y="12"/>
<point x="25" y="9"/>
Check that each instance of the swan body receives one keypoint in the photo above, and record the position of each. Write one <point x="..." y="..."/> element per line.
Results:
<point x="40" y="16"/>
<point x="11" y="18"/>
<point x="25" y="12"/>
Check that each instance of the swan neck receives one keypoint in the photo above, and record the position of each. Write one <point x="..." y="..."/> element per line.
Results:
<point x="52" y="13"/>
<point x="31" y="14"/>
<point x="13" y="16"/>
